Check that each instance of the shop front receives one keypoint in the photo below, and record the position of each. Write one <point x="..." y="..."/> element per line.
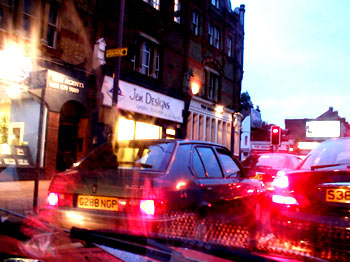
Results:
<point x="43" y="123"/>
<point x="146" y="114"/>
<point x="210" y="122"/>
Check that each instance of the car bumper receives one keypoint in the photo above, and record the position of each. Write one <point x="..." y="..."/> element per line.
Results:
<point x="320" y="230"/>
<point x="74" y="217"/>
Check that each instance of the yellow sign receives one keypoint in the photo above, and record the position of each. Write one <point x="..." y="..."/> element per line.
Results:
<point x="98" y="202"/>
<point x="116" y="52"/>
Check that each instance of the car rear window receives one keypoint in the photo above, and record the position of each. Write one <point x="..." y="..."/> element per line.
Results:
<point x="148" y="156"/>
<point x="266" y="160"/>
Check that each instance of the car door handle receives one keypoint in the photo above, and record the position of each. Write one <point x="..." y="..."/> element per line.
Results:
<point x="209" y="188"/>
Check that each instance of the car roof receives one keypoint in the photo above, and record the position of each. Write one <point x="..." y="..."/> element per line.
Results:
<point x="177" y="141"/>
<point x="273" y="153"/>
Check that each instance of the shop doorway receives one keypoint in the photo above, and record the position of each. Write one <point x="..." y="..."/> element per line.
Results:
<point x="69" y="141"/>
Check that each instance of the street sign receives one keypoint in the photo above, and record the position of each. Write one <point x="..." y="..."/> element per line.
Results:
<point x="116" y="52"/>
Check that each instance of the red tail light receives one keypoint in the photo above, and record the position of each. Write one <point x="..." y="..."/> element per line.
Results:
<point x="152" y="207"/>
<point x="59" y="199"/>
<point x="147" y="207"/>
<point x="52" y="199"/>
<point x="281" y="180"/>
<point x="287" y="200"/>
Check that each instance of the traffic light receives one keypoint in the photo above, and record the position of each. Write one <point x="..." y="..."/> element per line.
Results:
<point x="275" y="135"/>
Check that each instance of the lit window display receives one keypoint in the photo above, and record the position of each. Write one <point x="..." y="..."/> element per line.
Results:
<point x="130" y="129"/>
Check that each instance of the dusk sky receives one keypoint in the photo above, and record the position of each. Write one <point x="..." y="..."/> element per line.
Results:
<point x="297" y="57"/>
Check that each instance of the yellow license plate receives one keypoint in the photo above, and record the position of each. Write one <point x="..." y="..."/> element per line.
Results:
<point x="98" y="202"/>
<point x="340" y="195"/>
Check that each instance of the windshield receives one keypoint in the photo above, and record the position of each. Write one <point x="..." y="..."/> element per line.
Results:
<point x="177" y="126"/>
<point x="329" y="153"/>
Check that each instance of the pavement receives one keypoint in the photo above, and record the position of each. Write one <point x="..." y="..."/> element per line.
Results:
<point x="17" y="196"/>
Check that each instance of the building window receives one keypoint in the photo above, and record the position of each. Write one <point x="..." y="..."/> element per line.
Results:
<point x="28" y="17"/>
<point x="229" y="46"/>
<point x="214" y="36"/>
<point x="156" y="65"/>
<point x="6" y="9"/>
<point x="215" y="3"/>
<point x="145" y="60"/>
<point x="177" y="11"/>
<point x="52" y="24"/>
<point x="149" y="60"/>
<point x="195" y="23"/>
<point x="154" y="3"/>
<point x="213" y="86"/>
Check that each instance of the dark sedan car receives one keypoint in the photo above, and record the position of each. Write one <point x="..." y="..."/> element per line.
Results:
<point x="313" y="202"/>
<point x="150" y="181"/>
<point x="266" y="166"/>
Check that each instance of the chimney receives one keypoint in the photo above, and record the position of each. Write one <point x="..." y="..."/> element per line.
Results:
<point x="241" y="14"/>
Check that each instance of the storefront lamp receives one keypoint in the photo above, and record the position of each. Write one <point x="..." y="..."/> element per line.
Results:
<point x="13" y="92"/>
<point x="194" y="87"/>
<point x="219" y="109"/>
<point x="14" y="65"/>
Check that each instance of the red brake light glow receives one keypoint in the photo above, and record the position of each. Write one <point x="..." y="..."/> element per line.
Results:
<point x="147" y="207"/>
<point x="281" y="181"/>
<point x="287" y="200"/>
<point x="52" y="199"/>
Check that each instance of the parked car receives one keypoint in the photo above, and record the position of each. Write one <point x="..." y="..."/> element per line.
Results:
<point x="266" y="166"/>
<point x="315" y="198"/>
<point x="147" y="182"/>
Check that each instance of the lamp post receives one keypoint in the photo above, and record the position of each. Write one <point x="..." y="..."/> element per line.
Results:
<point x="187" y="90"/>
<point x="117" y="69"/>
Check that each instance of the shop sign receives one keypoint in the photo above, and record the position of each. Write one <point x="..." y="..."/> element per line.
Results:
<point x="19" y="156"/>
<point x="144" y="101"/>
<point x="62" y="82"/>
<point x="107" y="91"/>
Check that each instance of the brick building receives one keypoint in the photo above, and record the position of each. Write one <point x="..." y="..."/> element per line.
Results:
<point x="46" y="49"/>
<point x="56" y="103"/>
<point x="175" y="47"/>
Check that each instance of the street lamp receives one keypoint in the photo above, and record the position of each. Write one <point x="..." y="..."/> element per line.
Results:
<point x="190" y="87"/>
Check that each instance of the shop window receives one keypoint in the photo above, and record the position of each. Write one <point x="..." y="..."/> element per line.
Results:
<point x="15" y="133"/>
<point x="154" y="3"/>
<point x="214" y="36"/>
<point x="6" y="11"/>
<point x="195" y="23"/>
<point x="177" y="11"/>
<point x="131" y="129"/>
<point x="149" y="62"/>
<point x="147" y="131"/>
<point x="126" y="129"/>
